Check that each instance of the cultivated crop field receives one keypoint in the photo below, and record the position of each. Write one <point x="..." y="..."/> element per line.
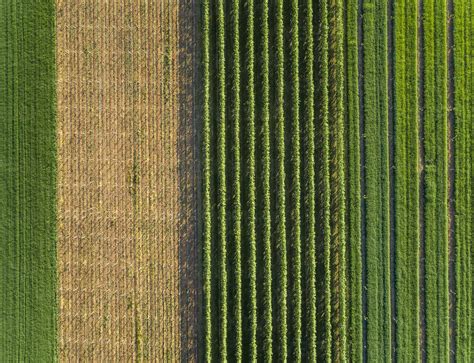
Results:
<point x="336" y="176"/>
<point x="241" y="180"/>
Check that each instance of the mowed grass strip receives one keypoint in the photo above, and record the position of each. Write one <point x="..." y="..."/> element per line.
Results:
<point x="354" y="233"/>
<point x="28" y="305"/>
<point x="435" y="125"/>
<point x="377" y="198"/>
<point x="463" y="161"/>
<point x="406" y="179"/>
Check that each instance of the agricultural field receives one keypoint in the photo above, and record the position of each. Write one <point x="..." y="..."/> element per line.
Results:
<point x="336" y="183"/>
<point x="242" y="180"/>
<point x="121" y="156"/>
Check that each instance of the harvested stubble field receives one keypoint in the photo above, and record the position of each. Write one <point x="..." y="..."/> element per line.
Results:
<point x="236" y="180"/>
<point x="124" y="218"/>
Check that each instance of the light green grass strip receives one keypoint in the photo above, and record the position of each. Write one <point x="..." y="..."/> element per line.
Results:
<point x="463" y="155"/>
<point x="236" y="181"/>
<point x="221" y="179"/>
<point x="406" y="179"/>
<point x="206" y="184"/>
<point x="436" y="180"/>
<point x="251" y="181"/>
<point x="308" y="186"/>
<point x="28" y="305"/>
<point x="377" y="180"/>
<point x="353" y="188"/>
<point x="280" y="346"/>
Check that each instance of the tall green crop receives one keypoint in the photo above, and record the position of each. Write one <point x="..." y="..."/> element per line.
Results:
<point x="354" y="185"/>
<point x="337" y="179"/>
<point x="236" y="192"/>
<point x="308" y="187"/>
<point x="250" y="145"/>
<point x="295" y="191"/>
<point x="221" y="180"/>
<point x="266" y="208"/>
<point x="206" y="181"/>
<point x="280" y="219"/>
<point x="324" y="333"/>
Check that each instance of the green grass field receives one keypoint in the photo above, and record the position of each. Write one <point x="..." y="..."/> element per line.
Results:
<point x="28" y="305"/>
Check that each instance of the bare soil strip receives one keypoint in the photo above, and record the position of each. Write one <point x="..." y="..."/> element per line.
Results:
<point x="120" y="150"/>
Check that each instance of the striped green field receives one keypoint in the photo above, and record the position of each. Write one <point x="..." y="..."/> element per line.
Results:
<point x="463" y="177"/>
<point x="436" y="213"/>
<point x="349" y="176"/>
<point x="27" y="182"/>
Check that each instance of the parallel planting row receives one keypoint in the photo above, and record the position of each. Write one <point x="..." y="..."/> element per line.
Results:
<point x="267" y="199"/>
<point x="337" y="156"/>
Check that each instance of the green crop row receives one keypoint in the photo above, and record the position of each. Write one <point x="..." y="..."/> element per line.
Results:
<point x="463" y="178"/>
<point x="354" y="308"/>
<point x="436" y="214"/>
<point x="377" y="223"/>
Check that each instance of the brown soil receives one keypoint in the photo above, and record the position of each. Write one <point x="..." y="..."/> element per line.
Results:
<point x="121" y="180"/>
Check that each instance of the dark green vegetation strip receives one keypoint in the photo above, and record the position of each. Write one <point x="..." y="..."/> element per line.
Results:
<point x="250" y="195"/>
<point x="267" y="305"/>
<point x="406" y="180"/>
<point x="354" y="233"/>
<point x="377" y="199"/>
<point x="322" y="181"/>
<point x="337" y="179"/>
<point x="436" y="179"/>
<point x="463" y="179"/>
<point x="308" y="187"/>
<point x="280" y="217"/>
<point x="294" y="186"/>
<point x="27" y="182"/>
